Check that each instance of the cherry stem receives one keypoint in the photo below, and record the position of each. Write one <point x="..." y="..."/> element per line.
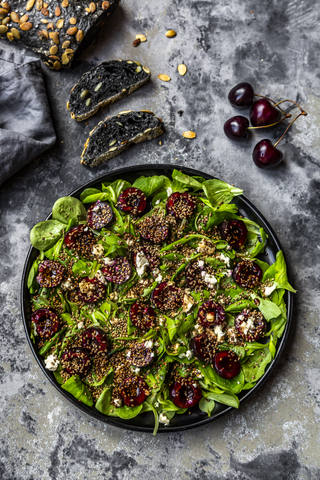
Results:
<point x="301" y="113"/>
<point x="270" y="100"/>
<point x="286" y="115"/>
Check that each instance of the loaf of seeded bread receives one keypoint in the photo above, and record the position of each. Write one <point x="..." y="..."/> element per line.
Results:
<point x="115" y="134"/>
<point x="104" y="84"/>
<point x="58" y="30"/>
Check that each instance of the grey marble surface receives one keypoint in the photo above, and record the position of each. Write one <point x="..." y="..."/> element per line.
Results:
<point x="274" y="45"/>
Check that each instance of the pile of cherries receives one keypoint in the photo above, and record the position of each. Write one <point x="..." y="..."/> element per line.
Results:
<point x="264" y="113"/>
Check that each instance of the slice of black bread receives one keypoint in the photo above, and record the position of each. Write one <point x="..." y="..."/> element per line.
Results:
<point x="104" y="84"/>
<point x="116" y="134"/>
<point x="58" y="30"/>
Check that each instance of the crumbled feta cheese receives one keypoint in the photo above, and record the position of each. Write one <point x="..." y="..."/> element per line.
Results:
<point x="148" y="344"/>
<point x="228" y="273"/>
<point x="158" y="278"/>
<point x="188" y="303"/>
<point x="155" y="271"/>
<point x="98" y="250"/>
<point x="130" y="242"/>
<point x="136" y="370"/>
<point x="129" y="354"/>
<point x="200" y="263"/>
<point x="156" y="404"/>
<point x="224" y="259"/>
<point x="198" y="327"/>
<point x="108" y="261"/>
<point x="210" y="280"/>
<point x="151" y="354"/>
<point x="67" y="284"/>
<point x="169" y="191"/>
<point x="218" y="331"/>
<point x="114" y="296"/>
<point x="158" y="201"/>
<point x="86" y="229"/>
<point x="247" y="326"/>
<point x="164" y="419"/>
<point x="117" y="402"/>
<point x="141" y="263"/>
<point x="232" y="335"/>
<point x="268" y="290"/>
<point x="205" y="248"/>
<point x="99" y="275"/>
<point x="51" y="363"/>
<point x="80" y="325"/>
<point x="189" y="354"/>
<point x="161" y="320"/>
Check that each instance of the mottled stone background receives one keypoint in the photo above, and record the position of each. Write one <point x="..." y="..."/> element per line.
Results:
<point x="274" y="45"/>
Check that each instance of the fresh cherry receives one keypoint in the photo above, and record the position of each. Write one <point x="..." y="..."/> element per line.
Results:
<point x="226" y="364"/>
<point x="133" y="391"/>
<point x="99" y="215"/>
<point x="263" y="113"/>
<point x="132" y="200"/>
<point x="76" y="361"/>
<point x="265" y="155"/>
<point x="210" y="314"/>
<point x="236" y="128"/>
<point x="47" y="323"/>
<point x="185" y="393"/>
<point x="50" y="274"/>
<point x="234" y="232"/>
<point x="241" y="96"/>
<point x="247" y="274"/>
<point x="142" y="316"/>
<point x="94" y="340"/>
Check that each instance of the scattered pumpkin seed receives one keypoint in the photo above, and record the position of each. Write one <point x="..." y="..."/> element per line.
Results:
<point x="84" y="94"/>
<point x="65" y="3"/>
<point x="138" y="69"/>
<point x="54" y="37"/>
<point x="3" y="29"/>
<point x="141" y="37"/>
<point x="30" y="4"/>
<point x="53" y="50"/>
<point x="189" y="134"/>
<point x="97" y="87"/>
<point x="79" y="35"/>
<point x="3" y="11"/>
<point x="69" y="51"/>
<point x="44" y="20"/>
<point x="5" y="5"/>
<point x="182" y="69"/>
<point x="105" y="5"/>
<point x="171" y="33"/>
<point x="112" y="149"/>
<point x="57" y="12"/>
<point x="14" y="17"/>
<point x="57" y="65"/>
<point x="129" y="61"/>
<point x="60" y="23"/>
<point x="5" y="21"/>
<point x="92" y="7"/>
<point x="10" y="36"/>
<point x="112" y="143"/>
<point x="125" y="112"/>
<point x="68" y="104"/>
<point x="26" y="26"/>
<point x="164" y="78"/>
<point x="66" y="44"/>
<point x="119" y="124"/>
<point x="43" y="34"/>
<point x="65" y="59"/>
<point x="39" y="4"/>
<point x="44" y="11"/>
<point x="88" y="101"/>
<point x="72" y="31"/>
<point x="145" y="69"/>
<point x="73" y="21"/>
<point x="25" y="18"/>
<point x="50" y="25"/>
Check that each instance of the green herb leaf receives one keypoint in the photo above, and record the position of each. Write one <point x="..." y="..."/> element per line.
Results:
<point x="78" y="389"/>
<point x="219" y="192"/>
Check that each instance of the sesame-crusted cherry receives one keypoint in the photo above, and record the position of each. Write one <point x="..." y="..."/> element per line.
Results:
<point x="94" y="340"/>
<point x="133" y="391"/>
<point x="250" y="324"/>
<point x="150" y="252"/>
<point x="142" y="316"/>
<point x="193" y="274"/>
<point x="166" y="296"/>
<point x="99" y="215"/>
<point x="50" y="274"/>
<point x="132" y="200"/>
<point x="90" y="290"/>
<point x="226" y="364"/>
<point x="117" y="270"/>
<point x="154" y="228"/>
<point x="47" y="323"/>
<point x="76" y="361"/>
<point x="180" y="205"/>
<point x="210" y="314"/>
<point x="234" y="232"/>
<point x="80" y="239"/>
<point x="247" y="274"/>
<point x="140" y="356"/>
<point x="185" y="393"/>
<point x="204" y="347"/>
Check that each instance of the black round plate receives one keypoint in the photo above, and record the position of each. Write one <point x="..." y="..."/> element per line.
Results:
<point x="145" y="421"/>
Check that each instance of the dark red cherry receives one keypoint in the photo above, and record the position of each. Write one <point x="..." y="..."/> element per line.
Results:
<point x="81" y="239"/>
<point x="117" y="270"/>
<point x="166" y="296"/>
<point x="132" y="200"/>
<point x="250" y="324"/>
<point x="263" y="113"/>
<point x="50" y="274"/>
<point x="185" y="393"/>
<point x="140" y="356"/>
<point x="151" y="253"/>
<point x="194" y="274"/>
<point x="94" y="340"/>
<point x="204" y="347"/>
<point x="142" y="316"/>
<point x="76" y="361"/>
<point x="99" y="215"/>
<point x="133" y="391"/>
<point x="234" y="232"/>
<point x="211" y="314"/>
<point x="241" y="96"/>
<point x="180" y="205"/>
<point x="247" y="274"/>
<point x="154" y="228"/>
<point x="90" y="290"/>
<point x="47" y="323"/>
<point x="265" y="155"/>
<point x="226" y="364"/>
<point x="236" y="128"/>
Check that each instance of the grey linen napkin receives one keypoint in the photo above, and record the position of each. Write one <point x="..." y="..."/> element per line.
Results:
<point x="26" y="128"/>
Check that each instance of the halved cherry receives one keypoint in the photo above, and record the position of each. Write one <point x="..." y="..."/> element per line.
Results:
<point x="50" y="274"/>
<point x="117" y="270"/>
<point x="142" y="316"/>
<point x="185" y="393"/>
<point x="247" y="274"/>
<point x="166" y="296"/>
<point x="47" y="323"/>
<point x="194" y="274"/>
<point x="150" y="253"/>
<point x="210" y="314"/>
<point x="234" y="232"/>
<point x="132" y="200"/>
<point x="250" y="324"/>
<point x="180" y="205"/>
<point x="133" y="391"/>
<point x="76" y="361"/>
<point x="80" y="239"/>
<point x="140" y="356"/>
<point x="154" y="228"/>
<point x="226" y="364"/>
<point x="99" y="215"/>
<point x="90" y="290"/>
<point x="204" y="347"/>
<point x="94" y="340"/>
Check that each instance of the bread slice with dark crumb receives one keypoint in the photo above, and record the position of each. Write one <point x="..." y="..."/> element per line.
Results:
<point x="115" y="134"/>
<point x="103" y="85"/>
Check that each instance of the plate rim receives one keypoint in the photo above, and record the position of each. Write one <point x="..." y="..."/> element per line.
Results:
<point x="92" y="411"/>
